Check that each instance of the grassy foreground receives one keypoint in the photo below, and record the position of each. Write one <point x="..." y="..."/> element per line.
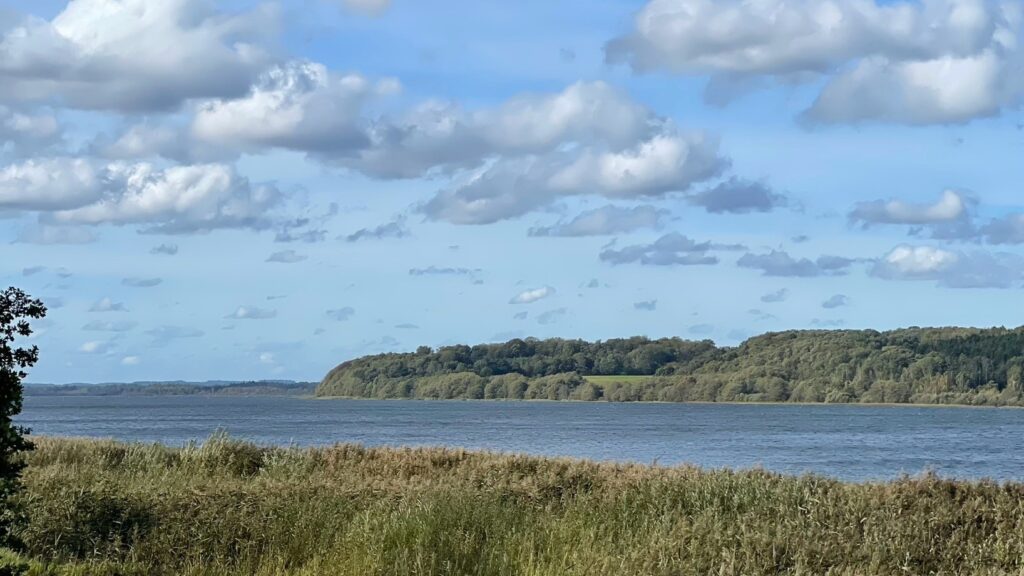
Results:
<point x="227" y="507"/>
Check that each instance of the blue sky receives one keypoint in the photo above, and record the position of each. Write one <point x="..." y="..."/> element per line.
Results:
<point x="221" y="190"/>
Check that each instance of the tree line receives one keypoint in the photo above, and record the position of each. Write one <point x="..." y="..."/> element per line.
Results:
<point x="913" y="365"/>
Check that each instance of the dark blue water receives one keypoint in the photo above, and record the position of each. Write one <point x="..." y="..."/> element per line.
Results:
<point x="849" y="442"/>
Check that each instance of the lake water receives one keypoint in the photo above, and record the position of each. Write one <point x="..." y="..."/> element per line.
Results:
<point x="849" y="442"/>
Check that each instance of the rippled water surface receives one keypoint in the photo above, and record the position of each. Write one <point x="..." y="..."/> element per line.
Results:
<point x="850" y="442"/>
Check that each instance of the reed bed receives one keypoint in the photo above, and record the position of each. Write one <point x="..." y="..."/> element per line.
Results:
<point x="226" y="507"/>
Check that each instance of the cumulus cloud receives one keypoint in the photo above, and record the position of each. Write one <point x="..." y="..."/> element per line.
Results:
<point x="605" y="220"/>
<point x="533" y="295"/>
<point x="977" y="269"/>
<point x="671" y="249"/>
<point x="393" y="229"/>
<point x="945" y="90"/>
<point x="780" y="263"/>
<point x="177" y="199"/>
<point x="937" y="61"/>
<point x="341" y="314"/>
<point x="948" y="217"/>
<point x="779" y="295"/>
<point x="107" y="305"/>
<point x="49" y="184"/>
<point x="141" y="282"/>
<point x="439" y="136"/>
<point x="251" y="313"/>
<point x="511" y="187"/>
<point x="836" y="301"/>
<point x="648" y="305"/>
<point x="150" y="139"/>
<point x="133" y="55"/>
<point x="738" y="196"/>
<point x="298" y="106"/>
<point x="286" y="257"/>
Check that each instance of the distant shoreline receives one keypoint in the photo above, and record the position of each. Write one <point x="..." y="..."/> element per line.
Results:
<point x="175" y="388"/>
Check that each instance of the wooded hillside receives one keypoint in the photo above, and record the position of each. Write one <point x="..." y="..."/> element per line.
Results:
<point x="927" y="365"/>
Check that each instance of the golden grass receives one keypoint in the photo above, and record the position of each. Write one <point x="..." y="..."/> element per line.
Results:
<point x="227" y="507"/>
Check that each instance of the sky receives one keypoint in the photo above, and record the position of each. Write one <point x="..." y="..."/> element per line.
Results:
<point x="207" y="190"/>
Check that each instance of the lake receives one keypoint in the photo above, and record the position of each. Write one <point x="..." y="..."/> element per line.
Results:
<point x="842" y="441"/>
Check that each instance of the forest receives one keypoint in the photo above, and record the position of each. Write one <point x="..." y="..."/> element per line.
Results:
<point x="913" y="365"/>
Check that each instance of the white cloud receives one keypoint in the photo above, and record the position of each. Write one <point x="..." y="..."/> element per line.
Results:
<point x="441" y="136"/>
<point x="133" y="54"/>
<point x="665" y="163"/>
<point x="530" y="296"/>
<point x="298" y="105"/>
<point x="131" y="361"/>
<point x="668" y="162"/>
<point x="48" y="184"/>
<point x="977" y="269"/>
<point x="910" y="261"/>
<point x="951" y="206"/>
<point x="935" y="61"/>
<point x="941" y="91"/>
<point x="178" y="199"/>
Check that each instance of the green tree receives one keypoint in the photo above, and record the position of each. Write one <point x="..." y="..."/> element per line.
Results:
<point x="16" y="309"/>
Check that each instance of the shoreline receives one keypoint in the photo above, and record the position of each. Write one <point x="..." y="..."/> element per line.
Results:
<point x="696" y="402"/>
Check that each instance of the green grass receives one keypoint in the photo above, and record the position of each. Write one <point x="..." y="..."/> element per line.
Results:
<point x="102" y="508"/>
<point x="624" y="379"/>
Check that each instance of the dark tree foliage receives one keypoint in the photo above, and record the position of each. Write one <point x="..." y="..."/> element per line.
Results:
<point x="16" y="309"/>
<point x="922" y="365"/>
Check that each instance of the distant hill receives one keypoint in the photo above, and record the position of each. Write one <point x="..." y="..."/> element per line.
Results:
<point x="912" y="365"/>
<point x="174" y="388"/>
